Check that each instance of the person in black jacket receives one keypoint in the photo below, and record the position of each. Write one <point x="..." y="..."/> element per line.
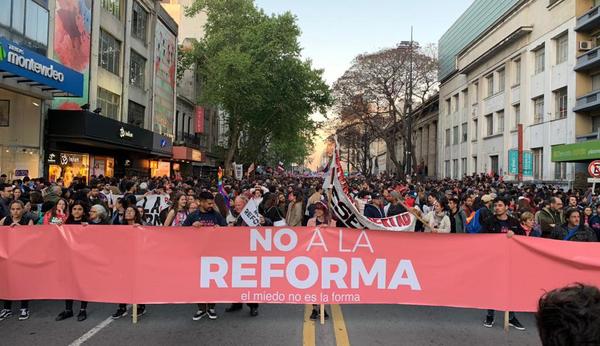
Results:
<point x="573" y="230"/>
<point x="501" y="222"/>
<point x="374" y="209"/>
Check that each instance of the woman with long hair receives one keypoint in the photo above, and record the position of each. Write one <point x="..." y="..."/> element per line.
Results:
<point x="58" y="214"/>
<point x="295" y="210"/>
<point x="272" y="211"/>
<point x="77" y="216"/>
<point x="178" y="212"/>
<point x="322" y="216"/>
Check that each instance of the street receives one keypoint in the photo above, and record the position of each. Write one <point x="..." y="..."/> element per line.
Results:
<point x="275" y="325"/>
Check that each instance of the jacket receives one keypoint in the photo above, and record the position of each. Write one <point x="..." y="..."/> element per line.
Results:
<point x="595" y="225"/>
<point x="494" y="225"/>
<point x="458" y="221"/>
<point x="583" y="234"/>
<point x="294" y="215"/>
<point x="443" y="226"/>
<point x="373" y="212"/>
<point x="549" y="217"/>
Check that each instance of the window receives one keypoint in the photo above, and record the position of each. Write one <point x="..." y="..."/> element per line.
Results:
<point x="109" y="102"/>
<point x="137" y="70"/>
<point x="455" y="103"/>
<point x="465" y="95"/>
<point x="501" y="79"/>
<point x="36" y="23"/>
<point x="475" y="164"/>
<point x="448" y="109"/>
<point x="596" y="82"/>
<point x="517" y="116"/>
<point x="455" y="135"/>
<point x="110" y="52"/>
<point x="112" y="6"/>
<point x="18" y="15"/>
<point x="475" y="92"/>
<point x="560" y="171"/>
<point x="489" y="123"/>
<point x="463" y="164"/>
<point x="538" y="110"/>
<point x="538" y="163"/>
<point x="136" y="114"/>
<point x="560" y="97"/>
<point x="500" y="122"/>
<point x="464" y="131"/>
<point x="490" y="85"/>
<point x="562" y="48"/>
<point x="494" y="164"/>
<point x="447" y="168"/>
<point x="139" y="21"/>
<point x="517" y="71"/>
<point x="447" y="137"/>
<point x="540" y="59"/>
<point x="475" y="128"/>
<point x="455" y="168"/>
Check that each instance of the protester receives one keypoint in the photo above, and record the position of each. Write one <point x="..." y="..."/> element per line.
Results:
<point x="98" y="215"/>
<point x="58" y="214"/>
<point x="437" y="220"/>
<point x="178" y="212"/>
<point x="573" y="230"/>
<point x="527" y="225"/>
<point x="294" y="214"/>
<point x="458" y="219"/>
<point x="374" y="209"/>
<point x="551" y="216"/>
<point x="322" y="217"/>
<point x="569" y="316"/>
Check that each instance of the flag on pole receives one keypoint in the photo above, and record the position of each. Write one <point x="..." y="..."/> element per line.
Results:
<point x="221" y="189"/>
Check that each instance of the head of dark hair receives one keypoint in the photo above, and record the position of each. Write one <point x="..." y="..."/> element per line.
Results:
<point x="569" y="316"/>
<point x="569" y="212"/>
<point x="502" y="199"/>
<point x="205" y="196"/>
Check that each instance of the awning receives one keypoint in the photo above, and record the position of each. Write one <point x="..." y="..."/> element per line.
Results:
<point x="583" y="151"/>
<point x="25" y="67"/>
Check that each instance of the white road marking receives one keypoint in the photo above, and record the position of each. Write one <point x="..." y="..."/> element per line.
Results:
<point x="85" y="337"/>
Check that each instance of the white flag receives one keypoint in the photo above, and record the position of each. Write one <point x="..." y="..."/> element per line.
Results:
<point x="250" y="214"/>
<point x="239" y="171"/>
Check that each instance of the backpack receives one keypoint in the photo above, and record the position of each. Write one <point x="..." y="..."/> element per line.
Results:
<point x="475" y="226"/>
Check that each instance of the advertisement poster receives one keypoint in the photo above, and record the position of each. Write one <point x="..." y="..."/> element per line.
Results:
<point x="72" y="45"/>
<point x="165" y="63"/>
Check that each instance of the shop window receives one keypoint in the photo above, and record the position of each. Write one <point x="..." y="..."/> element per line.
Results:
<point x="68" y="166"/>
<point x="136" y="114"/>
<point x="109" y="102"/>
<point x="139" y="22"/>
<point x="137" y="70"/>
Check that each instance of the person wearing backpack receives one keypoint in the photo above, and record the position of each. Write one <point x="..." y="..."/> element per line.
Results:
<point x="573" y="230"/>
<point x="482" y="214"/>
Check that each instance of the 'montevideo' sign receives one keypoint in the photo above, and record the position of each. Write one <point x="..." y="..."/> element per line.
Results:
<point x="22" y="62"/>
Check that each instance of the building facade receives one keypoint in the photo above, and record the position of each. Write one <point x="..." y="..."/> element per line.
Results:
<point x="31" y="77"/>
<point x="520" y="79"/>
<point x="123" y="124"/>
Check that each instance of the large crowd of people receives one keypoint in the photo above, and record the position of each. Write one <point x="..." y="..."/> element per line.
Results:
<point x="474" y="204"/>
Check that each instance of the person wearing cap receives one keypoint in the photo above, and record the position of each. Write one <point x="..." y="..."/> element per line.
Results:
<point x="374" y="209"/>
<point x="322" y="217"/>
<point x="486" y="208"/>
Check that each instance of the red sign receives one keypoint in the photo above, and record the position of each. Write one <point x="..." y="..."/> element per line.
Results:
<point x="199" y="119"/>
<point x="299" y="265"/>
<point x="594" y="169"/>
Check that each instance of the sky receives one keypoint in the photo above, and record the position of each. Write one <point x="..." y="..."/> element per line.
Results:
<point x="336" y="31"/>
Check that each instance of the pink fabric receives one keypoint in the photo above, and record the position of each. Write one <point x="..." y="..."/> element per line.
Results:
<point x="129" y="264"/>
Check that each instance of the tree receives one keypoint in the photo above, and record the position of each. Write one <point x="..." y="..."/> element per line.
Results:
<point x="250" y="66"/>
<point x="380" y="89"/>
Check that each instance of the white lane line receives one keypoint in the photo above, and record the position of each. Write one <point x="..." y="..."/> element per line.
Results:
<point x="85" y="337"/>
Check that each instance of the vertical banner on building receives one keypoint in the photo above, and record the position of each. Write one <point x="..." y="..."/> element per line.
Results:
<point x="165" y="64"/>
<point x="513" y="162"/>
<point x="527" y="163"/>
<point x="199" y="119"/>
<point x="72" y="45"/>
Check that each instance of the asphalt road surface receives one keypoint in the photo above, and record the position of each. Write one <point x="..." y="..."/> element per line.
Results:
<point x="275" y="325"/>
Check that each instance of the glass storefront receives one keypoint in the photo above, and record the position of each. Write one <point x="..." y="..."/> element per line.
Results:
<point x="160" y="169"/>
<point x="68" y="166"/>
<point x="17" y="162"/>
<point x="102" y="165"/>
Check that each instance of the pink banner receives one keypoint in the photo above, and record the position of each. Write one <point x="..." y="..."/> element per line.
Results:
<point x="281" y="265"/>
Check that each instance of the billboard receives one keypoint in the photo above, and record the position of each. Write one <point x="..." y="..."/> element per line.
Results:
<point x="72" y="45"/>
<point x="165" y="63"/>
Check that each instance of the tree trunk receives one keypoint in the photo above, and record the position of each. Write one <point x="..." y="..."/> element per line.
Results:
<point x="390" y="142"/>
<point x="233" y="144"/>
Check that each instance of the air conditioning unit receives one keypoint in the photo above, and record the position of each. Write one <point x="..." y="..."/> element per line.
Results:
<point x="585" y="45"/>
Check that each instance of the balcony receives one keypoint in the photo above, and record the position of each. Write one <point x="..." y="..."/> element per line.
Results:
<point x="589" y="21"/>
<point x="588" y="102"/>
<point x="588" y="60"/>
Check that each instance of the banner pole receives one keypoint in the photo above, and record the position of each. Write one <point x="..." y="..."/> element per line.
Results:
<point x="134" y="313"/>
<point x="506" y="321"/>
<point x="412" y="212"/>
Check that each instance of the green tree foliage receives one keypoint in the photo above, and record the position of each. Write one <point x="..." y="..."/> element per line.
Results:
<point x="251" y="67"/>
